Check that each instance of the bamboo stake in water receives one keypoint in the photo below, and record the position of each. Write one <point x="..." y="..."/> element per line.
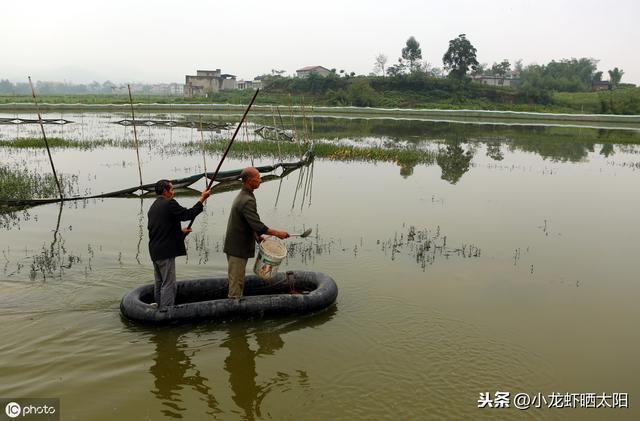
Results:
<point x="275" y="128"/>
<point x="204" y="156"/>
<point x="135" y="136"/>
<point x="293" y="125"/>
<point x="44" y="136"/>
<point x="229" y="145"/>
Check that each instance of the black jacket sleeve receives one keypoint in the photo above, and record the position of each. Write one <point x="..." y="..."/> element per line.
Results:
<point x="184" y="214"/>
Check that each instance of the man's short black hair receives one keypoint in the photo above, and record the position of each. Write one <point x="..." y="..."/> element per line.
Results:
<point x="162" y="186"/>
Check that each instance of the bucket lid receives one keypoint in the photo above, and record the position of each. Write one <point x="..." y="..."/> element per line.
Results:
<point x="273" y="248"/>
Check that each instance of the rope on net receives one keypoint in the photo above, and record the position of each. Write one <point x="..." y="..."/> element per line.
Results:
<point x="227" y="180"/>
<point x="17" y="120"/>
<point x="174" y="123"/>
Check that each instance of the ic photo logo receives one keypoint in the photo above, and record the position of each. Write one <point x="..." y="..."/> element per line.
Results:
<point x="12" y="410"/>
<point x="31" y="409"/>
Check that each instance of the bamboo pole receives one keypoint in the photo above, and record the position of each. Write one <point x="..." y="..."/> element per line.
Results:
<point x="46" y="142"/>
<point x="275" y="128"/>
<point x="229" y="145"/>
<point x="204" y="156"/>
<point x="135" y="136"/>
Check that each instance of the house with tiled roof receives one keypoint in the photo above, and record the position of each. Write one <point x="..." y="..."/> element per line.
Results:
<point x="306" y="71"/>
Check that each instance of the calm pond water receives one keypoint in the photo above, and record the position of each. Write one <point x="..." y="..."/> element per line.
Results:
<point x="510" y="264"/>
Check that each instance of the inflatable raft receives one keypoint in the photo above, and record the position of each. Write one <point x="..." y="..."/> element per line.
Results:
<point x="295" y="292"/>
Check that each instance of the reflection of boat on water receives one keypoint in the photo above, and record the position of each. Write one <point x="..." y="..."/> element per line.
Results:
<point x="296" y="292"/>
<point x="177" y="376"/>
<point x="172" y="370"/>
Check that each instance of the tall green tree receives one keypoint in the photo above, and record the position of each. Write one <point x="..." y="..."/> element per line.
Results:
<point x="460" y="57"/>
<point x="566" y="75"/>
<point x="412" y="53"/>
<point x="397" y="69"/>
<point x="480" y="69"/>
<point x="501" y="69"/>
<point x="615" y="76"/>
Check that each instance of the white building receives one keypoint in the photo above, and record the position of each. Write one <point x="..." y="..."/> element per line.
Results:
<point x="497" y="80"/>
<point x="206" y="81"/>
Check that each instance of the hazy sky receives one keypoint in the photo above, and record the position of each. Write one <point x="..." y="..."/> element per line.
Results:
<point x="162" y="40"/>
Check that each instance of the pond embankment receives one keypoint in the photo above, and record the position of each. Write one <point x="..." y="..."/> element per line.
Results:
<point x="461" y="116"/>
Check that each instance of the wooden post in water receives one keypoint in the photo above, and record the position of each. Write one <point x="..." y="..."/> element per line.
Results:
<point x="44" y="136"/>
<point x="229" y="145"/>
<point x="135" y="136"/>
<point x="204" y="156"/>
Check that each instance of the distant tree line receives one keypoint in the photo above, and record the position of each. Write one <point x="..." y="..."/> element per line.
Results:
<point x="410" y="80"/>
<point x="64" y="88"/>
<point x="57" y="88"/>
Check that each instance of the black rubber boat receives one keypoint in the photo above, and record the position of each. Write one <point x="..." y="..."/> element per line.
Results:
<point x="295" y="292"/>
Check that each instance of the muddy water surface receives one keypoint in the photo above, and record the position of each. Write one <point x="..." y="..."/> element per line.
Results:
<point x="510" y="265"/>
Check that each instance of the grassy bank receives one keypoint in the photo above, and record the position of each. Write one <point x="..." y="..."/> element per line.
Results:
<point x="363" y="93"/>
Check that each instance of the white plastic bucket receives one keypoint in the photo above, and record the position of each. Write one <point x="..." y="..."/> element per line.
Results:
<point x="270" y="255"/>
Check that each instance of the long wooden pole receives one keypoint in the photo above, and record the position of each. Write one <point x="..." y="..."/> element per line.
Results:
<point x="204" y="155"/>
<point x="135" y="136"/>
<point x="229" y="145"/>
<point x="44" y="136"/>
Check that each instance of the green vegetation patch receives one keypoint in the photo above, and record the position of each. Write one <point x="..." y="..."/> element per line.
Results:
<point x="20" y="183"/>
<point x="282" y="150"/>
<point x="55" y="142"/>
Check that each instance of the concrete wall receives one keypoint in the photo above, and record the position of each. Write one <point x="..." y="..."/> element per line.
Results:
<point x="228" y="84"/>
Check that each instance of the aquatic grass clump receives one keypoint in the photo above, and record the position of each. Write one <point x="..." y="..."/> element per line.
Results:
<point x="56" y="142"/>
<point x="20" y="183"/>
<point x="354" y="153"/>
<point x="322" y="150"/>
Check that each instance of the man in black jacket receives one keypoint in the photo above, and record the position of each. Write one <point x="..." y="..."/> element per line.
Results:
<point x="166" y="239"/>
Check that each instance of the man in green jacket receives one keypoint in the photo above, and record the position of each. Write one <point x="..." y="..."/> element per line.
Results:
<point x="243" y="230"/>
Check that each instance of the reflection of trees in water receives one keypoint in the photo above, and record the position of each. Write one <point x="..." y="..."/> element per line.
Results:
<point x="607" y="150"/>
<point x="406" y="168"/>
<point x="564" y="144"/>
<point x="403" y="129"/>
<point x="173" y="368"/>
<point x="555" y="149"/>
<point x="494" y="152"/>
<point x="454" y="162"/>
